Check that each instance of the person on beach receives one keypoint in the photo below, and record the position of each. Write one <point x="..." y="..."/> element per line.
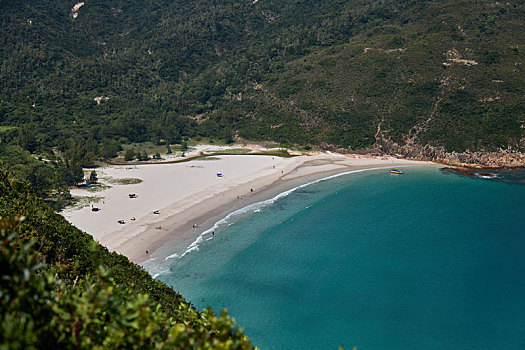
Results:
<point x="251" y="189"/>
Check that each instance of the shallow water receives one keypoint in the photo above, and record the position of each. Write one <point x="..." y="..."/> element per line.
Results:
<point x="423" y="260"/>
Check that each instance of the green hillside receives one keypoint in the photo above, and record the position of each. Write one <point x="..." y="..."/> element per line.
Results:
<point x="61" y="290"/>
<point x="348" y="73"/>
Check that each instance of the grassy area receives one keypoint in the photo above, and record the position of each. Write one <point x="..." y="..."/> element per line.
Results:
<point x="98" y="188"/>
<point x="233" y="151"/>
<point x="125" y="181"/>
<point x="85" y="201"/>
<point x="277" y="153"/>
<point x="274" y="153"/>
<point x="209" y="158"/>
<point x="199" y="140"/>
<point x="149" y="147"/>
<point x="275" y="145"/>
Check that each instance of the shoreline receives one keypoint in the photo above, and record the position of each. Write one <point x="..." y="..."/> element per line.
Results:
<point x="204" y="202"/>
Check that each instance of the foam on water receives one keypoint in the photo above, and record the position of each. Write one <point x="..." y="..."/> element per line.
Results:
<point x="172" y="256"/>
<point x="257" y="207"/>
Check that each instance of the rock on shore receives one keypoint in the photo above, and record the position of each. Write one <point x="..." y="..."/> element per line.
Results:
<point x="501" y="159"/>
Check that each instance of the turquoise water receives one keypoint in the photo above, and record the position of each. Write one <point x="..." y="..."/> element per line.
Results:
<point x="424" y="260"/>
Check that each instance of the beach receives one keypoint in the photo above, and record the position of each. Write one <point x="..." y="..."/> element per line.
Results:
<point x="175" y="203"/>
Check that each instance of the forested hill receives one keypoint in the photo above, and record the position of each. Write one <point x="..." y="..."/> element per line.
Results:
<point x="347" y="73"/>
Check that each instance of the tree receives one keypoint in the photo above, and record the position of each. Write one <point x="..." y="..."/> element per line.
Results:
<point x="168" y="151"/>
<point x="129" y="155"/>
<point x="27" y="139"/>
<point x="109" y="149"/>
<point x="40" y="176"/>
<point x="93" y="178"/>
<point x="142" y="156"/>
<point x="77" y="173"/>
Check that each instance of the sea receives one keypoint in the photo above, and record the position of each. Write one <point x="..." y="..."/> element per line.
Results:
<point x="368" y="259"/>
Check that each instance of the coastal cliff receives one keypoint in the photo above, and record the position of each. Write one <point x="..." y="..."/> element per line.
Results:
<point x="501" y="159"/>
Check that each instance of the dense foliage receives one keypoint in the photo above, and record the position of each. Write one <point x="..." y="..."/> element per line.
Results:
<point x="348" y="73"/>
<point x="60" y="289"/>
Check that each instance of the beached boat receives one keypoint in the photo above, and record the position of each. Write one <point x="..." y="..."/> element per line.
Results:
<point x="132" y="195"/>
<point x="396" y="171"/>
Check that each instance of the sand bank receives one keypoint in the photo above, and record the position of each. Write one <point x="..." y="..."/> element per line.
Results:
<point x="192" y="193"/>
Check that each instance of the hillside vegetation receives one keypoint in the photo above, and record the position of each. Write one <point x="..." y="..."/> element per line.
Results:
<point x="61" y="290"/>
<point x="348" y="73"/>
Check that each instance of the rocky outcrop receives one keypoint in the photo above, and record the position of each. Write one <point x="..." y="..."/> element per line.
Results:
<point x="504" y="158"/>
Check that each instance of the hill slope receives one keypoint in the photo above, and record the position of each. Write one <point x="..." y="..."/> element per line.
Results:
<point x="347" y="73"/>
<point x="60" y="289"/>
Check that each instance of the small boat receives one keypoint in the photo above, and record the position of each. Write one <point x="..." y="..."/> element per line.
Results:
<point x="396" y="171"/>
<point x="219" y="175"/>
<point x="95" y="209"/>
<point x="486" y="175"/>
<point x="122" y="222"/>
<point x="156" y="212"/>
<point x="132" y="195"/>
<point x="133" y="219"/>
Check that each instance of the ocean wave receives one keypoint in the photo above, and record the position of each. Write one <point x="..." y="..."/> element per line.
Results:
<point x="172" y="256"/>
<point x="193" y="247"/>
<point x="259" y="205"/>
<point x="160" y="273"/>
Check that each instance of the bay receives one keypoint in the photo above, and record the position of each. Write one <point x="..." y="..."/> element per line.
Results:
<point x="423" y="260"/>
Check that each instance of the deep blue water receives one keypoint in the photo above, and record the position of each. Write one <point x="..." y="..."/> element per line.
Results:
<point x="423" y="260"/>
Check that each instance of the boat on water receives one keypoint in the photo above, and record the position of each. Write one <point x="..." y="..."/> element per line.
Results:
<point x="396" y="171"/>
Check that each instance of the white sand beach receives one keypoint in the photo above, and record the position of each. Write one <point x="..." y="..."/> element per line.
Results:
<point x="191" y="193"/>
